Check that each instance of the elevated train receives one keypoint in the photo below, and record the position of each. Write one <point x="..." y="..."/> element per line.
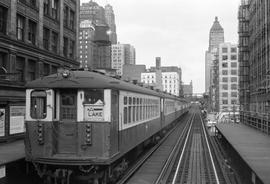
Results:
<point x="84" y="126"/>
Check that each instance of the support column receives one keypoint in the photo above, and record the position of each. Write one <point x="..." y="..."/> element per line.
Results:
<point x="40" y="25"/>
<point x="61" y="33"/>
<point x="13" y="21"/>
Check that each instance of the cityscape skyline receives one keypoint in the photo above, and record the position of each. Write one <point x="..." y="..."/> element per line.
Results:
<point x="176" y="34"/>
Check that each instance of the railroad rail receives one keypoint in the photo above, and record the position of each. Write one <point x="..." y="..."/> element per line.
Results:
<point x="177" y="132"/>
<point x="194" y="158"/>
<point x="195" y="163"/>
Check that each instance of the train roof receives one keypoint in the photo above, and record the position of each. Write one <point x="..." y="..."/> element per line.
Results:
<point x="88" y="80"/>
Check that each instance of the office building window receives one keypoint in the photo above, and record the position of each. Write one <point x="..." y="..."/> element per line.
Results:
<point x="233" y="94"/>
<point x="66" y="16"/>
<point x="234" y="79"/>
<point x="46" y="6"/>
<point x="225" y="57"/>
<point x="33" y="3"/>
<point x="224" y="65"/>
<point x="225" y="87"/>
<point x="65" y="47"/>
<point x="233" y="101"/>
<point x="46" y="69"/>
<point x="224" y="94"/>
<point x="20" y="27"/>
<point x="20" y="63"/>
<point x="46" y="38"/>
<point x="224" y="101"/>
<point x="55" y="8"/>
<point x="3" y="19"/>
<point x="233" y="57"/>
<point x="224" y="72"/>
<point x="233" y="49"/>
<point x="32" y="28"/>
<point x="224" y="50"/>
<point x="54" y="42"/>
<point x="224" y="79"/>
<point x="71" y="49"/>
<point x="233" y="64"/>
<point x="72" y="19"/>
<point x="234" y="72"/>
<point x="31" y="70"/>
<point x="234" y="86"/>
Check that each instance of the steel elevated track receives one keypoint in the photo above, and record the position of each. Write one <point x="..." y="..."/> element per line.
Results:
<point x="190" y="159"/>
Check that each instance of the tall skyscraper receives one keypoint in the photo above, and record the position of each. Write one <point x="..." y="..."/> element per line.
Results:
<point x="216" y="36"/>
<point x="95" y="45"/>
<point x="110" y="20"/>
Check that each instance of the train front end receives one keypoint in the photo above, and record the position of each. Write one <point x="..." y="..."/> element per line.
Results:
<point x="71" y="128"/>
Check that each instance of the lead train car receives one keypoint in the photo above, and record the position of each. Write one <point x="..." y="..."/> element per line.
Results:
<point x="80" y="124"/>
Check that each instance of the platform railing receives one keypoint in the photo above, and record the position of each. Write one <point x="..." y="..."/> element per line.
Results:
<point x="260" y="121"/>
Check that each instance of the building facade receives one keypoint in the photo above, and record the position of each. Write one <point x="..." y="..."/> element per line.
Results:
<point x="170" y="82"/>
<point x="36" y="39"/>
<point x="110" y="20"/>
<point x="228" y="78"/>
<point x="94" y="41"/>
<point x="133" y="72"/>
<point x="122" y="54"/>
<point x="254" y="53"/>
<point x="216" y="36"/>
<point x="188" y="89"/>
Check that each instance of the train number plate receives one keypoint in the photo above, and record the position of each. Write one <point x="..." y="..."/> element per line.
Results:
<point x="93" y="113"/>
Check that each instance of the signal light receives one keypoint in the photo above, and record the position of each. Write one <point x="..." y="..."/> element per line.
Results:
<point x="88" y="130"/>
<point x="40" y="134"/>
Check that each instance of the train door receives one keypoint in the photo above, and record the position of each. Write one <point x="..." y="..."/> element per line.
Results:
<point x="67" y="129"/>
<point x="114" y="122"/>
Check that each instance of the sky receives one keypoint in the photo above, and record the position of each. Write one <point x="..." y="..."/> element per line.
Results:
<point x="175" y="30"/>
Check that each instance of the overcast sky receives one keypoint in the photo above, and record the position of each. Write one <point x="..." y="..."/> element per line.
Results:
<point x="175" y="30"/>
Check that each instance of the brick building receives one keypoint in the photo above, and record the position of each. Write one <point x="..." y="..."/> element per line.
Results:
<point x="36" y="38"/>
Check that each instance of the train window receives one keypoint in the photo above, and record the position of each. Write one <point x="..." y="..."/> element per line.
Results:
<point x="93" y="96"/>
<point x="38" y="108"/>
<point x="125" y="115"/>
<point x="134" y="113"/>
<point x="125" y="100"/>
<point x="129" y="114"/>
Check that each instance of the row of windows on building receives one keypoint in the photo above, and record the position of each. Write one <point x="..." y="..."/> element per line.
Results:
<point x="225" y="101"/>
<point x="51" y="9"/>
<point x="225" y="79"/>
<point x="26" y="68"/>
<point x="225" y="50"/>
<point x="233" y="86"/>
<point x="26" y="31"/>
<point x="233" y="65"/>
<point x="233" y="72"/>
<point x="233" y="94"/>
<point x="153" y="76"/>
<point x="140" y="109"/>
<point x="225" y="57"/>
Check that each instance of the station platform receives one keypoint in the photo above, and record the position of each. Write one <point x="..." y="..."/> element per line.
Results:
<point x="11" y="151"/>
<point x="252" y="145"/>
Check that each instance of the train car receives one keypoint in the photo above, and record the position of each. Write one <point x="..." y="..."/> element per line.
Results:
<point x="84" y="126"/>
